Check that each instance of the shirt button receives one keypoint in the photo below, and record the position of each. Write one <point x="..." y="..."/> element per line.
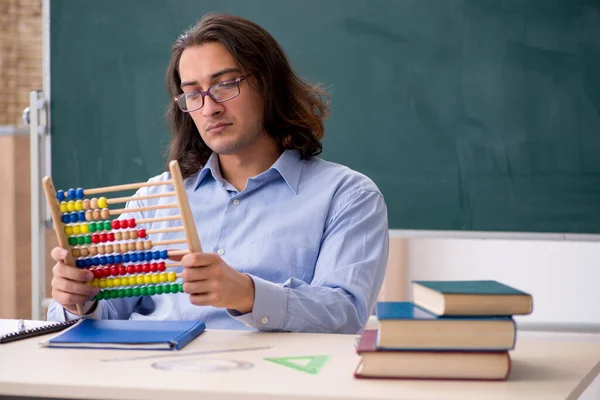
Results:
<point x="236" y="202"/>
<point x="264" y="320"/>
<point x="220" y="252"/>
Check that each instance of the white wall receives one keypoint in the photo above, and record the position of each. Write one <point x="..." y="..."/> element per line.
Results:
<point x="562" y="276"/>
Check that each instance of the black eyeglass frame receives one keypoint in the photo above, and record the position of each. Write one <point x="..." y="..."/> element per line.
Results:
<point x="182" y="96"/>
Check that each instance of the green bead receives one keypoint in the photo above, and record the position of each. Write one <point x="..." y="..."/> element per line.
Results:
<point x="98" y="296"/>
<point x="80" y="240"/>
<point x="128" y="293"/>
<point x="107" y="226"/>
<point x="114" y="294"/>
<point x="151" y="291"/>
<point x="121" y="293"/>
<point x="136" y="292"/>
<point x="180" y="287"/>
<point x="88" y="239"/>
<point x="144" y="291"/>
<point x="106" y="294"/>
<point x="92" y="227"/>
<point x="73" y="241"/>
<point x="167" y="288"/>
<point x="159" y="289"/>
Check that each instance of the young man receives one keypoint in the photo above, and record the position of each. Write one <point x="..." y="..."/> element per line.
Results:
<point x="291" y="242"/>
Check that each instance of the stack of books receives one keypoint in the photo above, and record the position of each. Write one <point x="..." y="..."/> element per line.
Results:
<point x="451" y="330"/>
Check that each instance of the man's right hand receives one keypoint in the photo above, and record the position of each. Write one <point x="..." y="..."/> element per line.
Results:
<point x="69" y="284"/>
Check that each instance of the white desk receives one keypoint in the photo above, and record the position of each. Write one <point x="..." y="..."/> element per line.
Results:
<point x="545" y="367"/>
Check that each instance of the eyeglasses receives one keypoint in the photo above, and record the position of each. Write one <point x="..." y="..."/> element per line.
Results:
<point x="219" y="93"/>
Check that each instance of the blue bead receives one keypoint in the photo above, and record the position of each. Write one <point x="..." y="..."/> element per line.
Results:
<point x="126" y="257"/>
<point x="79" y="193"/>
<point x="71" y="194"/>
<point x="65" y="218"/>
<point x="110" y="259"/>
<point x="103" y="260"/>
<point x="133" y="257"/>
<point x="60" y="195"/>
<point x="81" y="216"/>
<point x="73" y="217"/>
<point x="156" y="255"/>
<point x="118" y="259"/>
<point x="96" y="261"/>
<point x="88" y="262"/>
<point x="147" y="256"/>
<point x="79" y="263"/>
<point x="164" y="254"/>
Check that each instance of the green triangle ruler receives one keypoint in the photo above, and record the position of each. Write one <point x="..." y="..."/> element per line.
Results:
<point x="308" y="364"/>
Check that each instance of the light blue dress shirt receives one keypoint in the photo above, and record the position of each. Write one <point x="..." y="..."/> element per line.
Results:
<point x="312" y="235"/>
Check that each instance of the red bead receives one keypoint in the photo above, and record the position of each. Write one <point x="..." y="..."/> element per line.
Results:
<point x="162" y="267"/>
<point x="130" y="269"/>
<point x="153" y="267"/>
<point x="114" y="270"/>
<point x="146" y="268"/>
<point x="103" y="237"/>
<point x="111" y="237"/>
<point x="106" y="271"/>
<point x="123" y="223"/>
<point x="131" y="223"/>
<point x="95" y="238"/>
<point x="142" y="233"/>
<point x="97" y="273"/>
<point x="122" y="270"/>
<point x="115" y="224"/>
<point x="138" y="268"/>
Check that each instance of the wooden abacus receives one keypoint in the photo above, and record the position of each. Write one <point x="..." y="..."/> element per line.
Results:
<point x="120" y="256"/>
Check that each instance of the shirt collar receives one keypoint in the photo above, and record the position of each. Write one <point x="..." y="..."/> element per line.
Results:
<point x="288" y="165"/>
<point x="211" y="167"/>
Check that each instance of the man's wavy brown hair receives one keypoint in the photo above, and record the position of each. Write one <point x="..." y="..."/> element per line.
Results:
<point x="294" y="110"/>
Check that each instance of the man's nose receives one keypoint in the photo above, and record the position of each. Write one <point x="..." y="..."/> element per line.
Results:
<point x="211" y="107"/>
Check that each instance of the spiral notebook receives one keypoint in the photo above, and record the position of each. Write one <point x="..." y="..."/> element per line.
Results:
<point x="41" y="328"/>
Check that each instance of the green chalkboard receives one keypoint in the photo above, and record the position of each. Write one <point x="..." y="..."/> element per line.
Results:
<point x="470" y="115"/>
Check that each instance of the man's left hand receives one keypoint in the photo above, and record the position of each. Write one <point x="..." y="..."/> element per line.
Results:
<point x="211" y="282"/>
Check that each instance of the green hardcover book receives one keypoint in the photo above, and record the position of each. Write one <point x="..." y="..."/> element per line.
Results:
<point x="476" y="297"/>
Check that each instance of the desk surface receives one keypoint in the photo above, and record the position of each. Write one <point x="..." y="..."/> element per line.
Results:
<point x="545" y="366"/>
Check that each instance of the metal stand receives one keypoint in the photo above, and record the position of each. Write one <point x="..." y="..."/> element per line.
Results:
<point x="36" y="116"/>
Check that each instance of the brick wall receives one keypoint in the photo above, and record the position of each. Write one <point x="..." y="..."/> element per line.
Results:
<point x="20" y="56"/>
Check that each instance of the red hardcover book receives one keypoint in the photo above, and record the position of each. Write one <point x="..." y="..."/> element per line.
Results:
<point x="455" y="365"/>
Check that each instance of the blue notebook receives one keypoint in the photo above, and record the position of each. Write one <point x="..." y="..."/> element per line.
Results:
<point x="128" y="334"/>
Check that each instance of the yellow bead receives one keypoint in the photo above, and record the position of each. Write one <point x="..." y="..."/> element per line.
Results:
<point x="163" y="277"/>
<point x="102" y="284"/>
<point x="76" y="229"/>
<point x="102" y="202"/>
<point x="69" y="230"/>
<point x="94" y="282"/>
<point x="172" y="276"/>
<point x="139" y="280"/>
<point x="71" y="205"/>
<point x="85" y="228"/>
<point x="63" y="206"/>
<point x="147" y="279"/>
<point x="109" y="282"/>
<point x="117" y="282"/>
<point x="132" y="281"/>
<point x="78" y="205"/>
<point x="155" y="278"/>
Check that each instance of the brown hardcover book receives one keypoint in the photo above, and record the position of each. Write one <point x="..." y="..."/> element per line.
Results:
<point x="398" y="364"/>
